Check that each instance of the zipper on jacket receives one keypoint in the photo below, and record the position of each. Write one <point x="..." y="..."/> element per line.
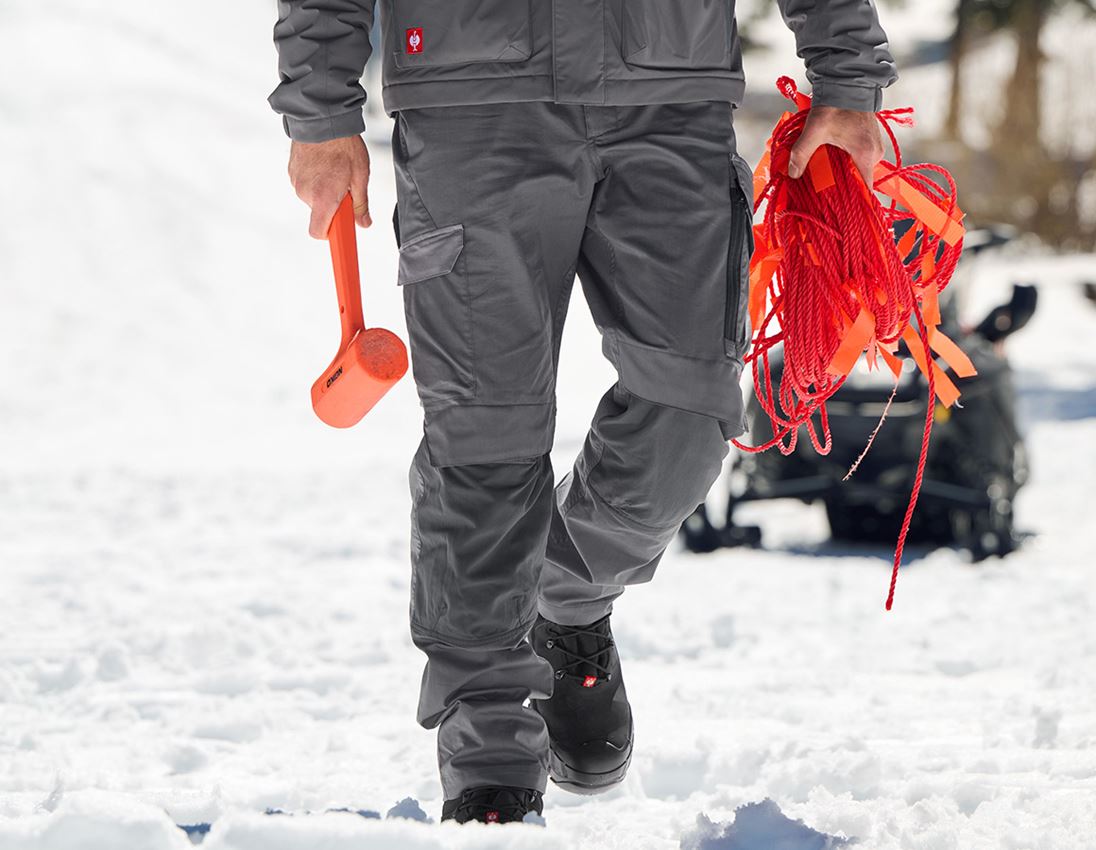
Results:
<point x="741" y="223"/>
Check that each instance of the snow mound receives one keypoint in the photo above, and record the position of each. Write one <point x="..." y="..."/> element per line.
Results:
<point x="347" y="831"/>
<point x="758" y="826"/>
<point x="94" y="820"/>
<point x="409" y="809"/>
<point x="100" y="820"/>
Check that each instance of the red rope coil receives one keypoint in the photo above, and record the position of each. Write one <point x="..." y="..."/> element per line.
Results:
<point x="829" y="281"/>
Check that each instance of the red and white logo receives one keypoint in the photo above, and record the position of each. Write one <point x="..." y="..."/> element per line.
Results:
<point x="414" y="40"/>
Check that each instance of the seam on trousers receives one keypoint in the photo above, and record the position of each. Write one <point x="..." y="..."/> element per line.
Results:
<point x="619" y="512"/>
<point x="471" y="324"/>
<point x="558" y="318"/>
<point x="680" y="355"/>
<point x="475" y="643"/>
<point x="437" y="405"/>
<point x="416" y="498"/>
<point x="616" y="306"/>
<point x="414" y="180"/>
<point x="624" y="515"/>
<point x="574" y="494"/>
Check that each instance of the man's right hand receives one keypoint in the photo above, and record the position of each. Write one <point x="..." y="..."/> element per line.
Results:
<point x="323" y="172"/>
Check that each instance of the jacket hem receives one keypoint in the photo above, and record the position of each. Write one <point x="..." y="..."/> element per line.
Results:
<point x="539" y="87"/>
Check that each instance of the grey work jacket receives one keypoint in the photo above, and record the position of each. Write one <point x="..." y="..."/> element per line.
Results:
<point x="617" y="52"/>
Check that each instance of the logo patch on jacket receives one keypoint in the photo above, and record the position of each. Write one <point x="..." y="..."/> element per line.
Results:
<point x="414" y="40"/>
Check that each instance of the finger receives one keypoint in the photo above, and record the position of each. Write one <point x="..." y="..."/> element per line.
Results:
<point x="359" y="193"/>
<point x="809" y="141"/>
<point x="323" y="210"/>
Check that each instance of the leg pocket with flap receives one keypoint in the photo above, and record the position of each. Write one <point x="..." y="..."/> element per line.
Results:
<point x="439" y="314"/>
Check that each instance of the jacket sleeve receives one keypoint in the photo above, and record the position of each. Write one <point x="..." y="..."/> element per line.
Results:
<point x="323" y="46"/>
<point x="848" y="59"/>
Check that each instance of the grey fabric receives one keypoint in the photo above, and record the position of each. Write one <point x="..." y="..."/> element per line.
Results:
<point x="643" y="469"/>
<point x="323" y="46"/>
<point x="597" y="52"/>
<point x="431" y="254"/>
<point x="845" y="50"/>
<point x="648" y="205"/>
<point x="478" y="539"/>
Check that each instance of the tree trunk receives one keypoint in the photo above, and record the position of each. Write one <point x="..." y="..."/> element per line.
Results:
<point x="1020" y="128"/>
<point x="960" y="41"/>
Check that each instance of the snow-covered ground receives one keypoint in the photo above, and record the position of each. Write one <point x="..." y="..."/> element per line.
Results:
<point x="203" y="590"/>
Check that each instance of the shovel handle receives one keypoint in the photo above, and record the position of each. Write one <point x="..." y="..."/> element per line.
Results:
<point x="344" y="259"/>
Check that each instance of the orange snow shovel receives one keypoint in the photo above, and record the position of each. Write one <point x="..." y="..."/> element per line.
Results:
<point x="370" y="360"/>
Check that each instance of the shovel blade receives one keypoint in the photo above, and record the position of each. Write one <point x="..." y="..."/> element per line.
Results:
<point x="359" y="377"/>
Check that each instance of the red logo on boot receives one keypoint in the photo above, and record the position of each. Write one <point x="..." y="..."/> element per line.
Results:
<point x="589" y="681"/>
<point x="414" y="40"/>
<point x="491" y="817"/>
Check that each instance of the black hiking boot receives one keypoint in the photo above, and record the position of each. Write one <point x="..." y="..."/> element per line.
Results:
<point x="492" y="804"/>
<point x="588" y="717"/>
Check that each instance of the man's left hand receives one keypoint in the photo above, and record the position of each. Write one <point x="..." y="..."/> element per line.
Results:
<point x="852" y="131"/>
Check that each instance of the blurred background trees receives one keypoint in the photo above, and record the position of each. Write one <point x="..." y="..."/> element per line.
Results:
<point x="1036" y="174"/>
<point x="1002" y="92"/>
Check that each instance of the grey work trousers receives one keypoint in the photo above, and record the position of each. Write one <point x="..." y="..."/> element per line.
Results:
<point x="498" y="207"/>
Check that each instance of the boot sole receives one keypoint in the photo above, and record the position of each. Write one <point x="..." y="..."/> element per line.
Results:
<point x="581" y="782"/>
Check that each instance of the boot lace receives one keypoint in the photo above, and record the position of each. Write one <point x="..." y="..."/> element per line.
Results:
<point x="568" y="639"/>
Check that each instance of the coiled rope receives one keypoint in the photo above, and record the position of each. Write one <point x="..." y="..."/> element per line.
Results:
<point x="829" y="281"/>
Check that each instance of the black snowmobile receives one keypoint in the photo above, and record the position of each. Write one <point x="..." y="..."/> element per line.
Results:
<point x="976" y="461"/>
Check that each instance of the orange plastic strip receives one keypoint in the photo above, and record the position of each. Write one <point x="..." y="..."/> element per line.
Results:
<point x="856" y="339"/>
<point x="883" y="169"/>
<point x="923" y="209"/>
<point x="906" y="243"/>
<point x="928" y="269"/>
<point x="930" y="304"/>
<point x="761" y="274"/>
<point x="757" y="295"/>
<point x="946" y="391"/>
<point x="952" y="354"/>
<point x="894" y="363"/>
<point x="761" y="173"/>
<point x="820" y="170"/>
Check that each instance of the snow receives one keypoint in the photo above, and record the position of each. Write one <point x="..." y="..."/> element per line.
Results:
<point x="203" y="590"/>
<point x="758" y="826"/>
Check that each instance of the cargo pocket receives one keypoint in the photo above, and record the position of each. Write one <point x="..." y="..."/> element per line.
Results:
<point x="736" y="325"/>
<point x="457" y="32"/>
<point x="682" y="34"/>
<point x="439" y="313"/>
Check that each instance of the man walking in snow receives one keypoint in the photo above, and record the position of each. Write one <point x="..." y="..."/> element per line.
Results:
<point x="533" y="141"/>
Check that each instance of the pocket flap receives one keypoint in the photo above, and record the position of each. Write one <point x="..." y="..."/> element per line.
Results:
<point x="662" y="35"/>
<point x="430" y="254"/>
